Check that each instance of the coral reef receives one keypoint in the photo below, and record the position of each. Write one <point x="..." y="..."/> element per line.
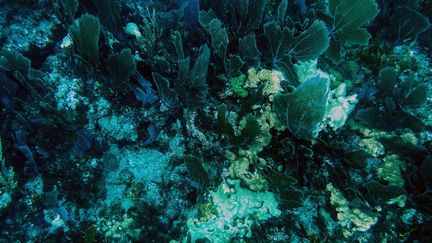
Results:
<point x="215" y="121"/>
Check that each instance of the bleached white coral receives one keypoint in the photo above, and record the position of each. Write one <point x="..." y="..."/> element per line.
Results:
<point x="308" y="69"/>
<point x="340" y="107"/>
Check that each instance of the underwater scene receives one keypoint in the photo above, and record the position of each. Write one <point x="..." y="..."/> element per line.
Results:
<point x="185" y="121"/>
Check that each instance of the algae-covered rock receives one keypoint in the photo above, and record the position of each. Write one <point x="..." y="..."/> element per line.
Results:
<point x="120" y="126"/>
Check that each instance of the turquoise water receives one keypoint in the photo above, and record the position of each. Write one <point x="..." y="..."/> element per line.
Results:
<point x="215" y="121"/>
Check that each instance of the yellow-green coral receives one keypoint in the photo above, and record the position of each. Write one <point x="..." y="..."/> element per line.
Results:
<point x="240" y="168"/>
<point x="246" y="159"/>
<point x="272" y="80"/>
<point x="372" y="146"/>
<point x="236" y="84"/>
<point x="391" y="171"/>
<point x="269" y="120"/>
<point x="350" y="219"/>
<point x="243" y="160"/>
